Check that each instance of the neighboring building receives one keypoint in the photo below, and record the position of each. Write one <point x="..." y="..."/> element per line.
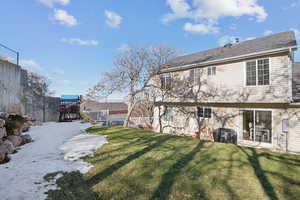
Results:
<point x="142" y="114"/>
<point x="244" y="93"/>
<point x="105" y="111"/>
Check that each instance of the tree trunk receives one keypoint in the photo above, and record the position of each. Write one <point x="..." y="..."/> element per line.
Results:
<point x="159" y="120"/>
<point x="130" y="109"/>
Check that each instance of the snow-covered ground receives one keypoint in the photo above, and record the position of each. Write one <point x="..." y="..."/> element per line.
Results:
<point x="56" y="147"/>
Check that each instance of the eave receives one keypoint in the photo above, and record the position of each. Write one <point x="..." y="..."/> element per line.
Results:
<point x="230" y="59"/>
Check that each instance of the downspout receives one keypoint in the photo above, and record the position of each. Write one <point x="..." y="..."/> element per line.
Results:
<point x="290" y="77"/>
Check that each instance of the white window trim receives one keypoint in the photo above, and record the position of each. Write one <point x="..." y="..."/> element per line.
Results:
<point x="256" y="84"/>
<point x="255" y="143"/>
<point x="205" y="118"/>
<point x="211" y="67"/>
<point x="164" y="75"/>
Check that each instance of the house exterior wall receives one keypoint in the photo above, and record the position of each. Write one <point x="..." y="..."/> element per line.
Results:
<point x="228" y="86"/>
<point x="232" y="119"/>
<point x="229" y="82"/>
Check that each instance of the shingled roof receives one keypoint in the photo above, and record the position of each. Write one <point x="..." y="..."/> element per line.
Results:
<point x="272" y="42"/>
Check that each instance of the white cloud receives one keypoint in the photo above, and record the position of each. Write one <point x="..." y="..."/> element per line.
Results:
<point x="66" y="82"/>
<point x="51" y="3"/>
<point x="113" y="19"/>
<point x="62" y="17"/>
<point x="250" y="38"/>
<point x="268" y="32"/>
<point x="77" y="41"/>
<point x="7" y="58"/>
<point x="124" y="48"/>
<point x="295" y="3"/>
<point x="208" y="12"/>
<point x="58" y="71"/>
<point x="31" y="65"/>
<point x="180" y="9"/>
<point x="232" y="27"/>
<point x="200" y="28"/>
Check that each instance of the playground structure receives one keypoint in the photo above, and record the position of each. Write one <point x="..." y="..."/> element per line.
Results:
<point x="69" y="109"/>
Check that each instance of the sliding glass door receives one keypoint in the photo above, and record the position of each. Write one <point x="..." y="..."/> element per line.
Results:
<point x="257" y="126"/>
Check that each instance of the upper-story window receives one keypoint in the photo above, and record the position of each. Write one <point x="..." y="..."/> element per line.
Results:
<point x="165" y="81"/>
<point x="258" y="72"/>
<point x="211" y="71"/>
<point x="195" y="76"/>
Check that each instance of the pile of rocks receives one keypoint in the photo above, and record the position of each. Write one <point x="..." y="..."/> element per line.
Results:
<point x="12" y="128"/>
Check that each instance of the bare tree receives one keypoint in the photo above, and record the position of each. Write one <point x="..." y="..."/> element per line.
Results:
<point x="131" y="74"/>
<point x="37" y="86"/>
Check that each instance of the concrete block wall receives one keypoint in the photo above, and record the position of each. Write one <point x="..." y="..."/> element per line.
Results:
<point x="17" y="97"/>
<point x="10" y="88"/>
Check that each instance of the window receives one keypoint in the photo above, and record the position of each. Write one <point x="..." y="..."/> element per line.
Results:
<point x="258" y="72"/>
<point x="263" y="72"/>
<point x="251" y="73"/>
<point x="168" y="114"/>
<point x="195" y="76"/>
<point x="165" y="81"/>
<point x="211" y="71"/>
<point x="204" y="112"/>
<point x="257" y="126"/>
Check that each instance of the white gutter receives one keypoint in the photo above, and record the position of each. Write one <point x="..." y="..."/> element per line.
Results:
<point x="234" y="58"/>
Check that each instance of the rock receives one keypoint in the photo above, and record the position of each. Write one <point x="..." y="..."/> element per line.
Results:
<point x="26" y="139"/>
<point x="16" y="132"/>
<point x="2" y="123"/>
<point x="2" y="133"/>
<point x="16" y="140"/>
<point x="7" y="147"/>
<point x="26" y="127"/>
<point x="4" y="158"/>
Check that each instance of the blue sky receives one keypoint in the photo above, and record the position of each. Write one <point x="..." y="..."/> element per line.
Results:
<point x="73" y="41"/>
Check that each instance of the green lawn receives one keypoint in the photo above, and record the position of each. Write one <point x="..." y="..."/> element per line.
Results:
<point x="137" y="164"/>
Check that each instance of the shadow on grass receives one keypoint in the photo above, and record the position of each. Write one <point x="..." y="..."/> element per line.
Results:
<point x="72" y="187"/>
<point x="253" y="159"/>
<point x="111" y="169"/>
<point x="164" y="189"/>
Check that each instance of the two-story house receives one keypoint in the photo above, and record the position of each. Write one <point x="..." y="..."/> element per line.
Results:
<point x="245" y="93"/>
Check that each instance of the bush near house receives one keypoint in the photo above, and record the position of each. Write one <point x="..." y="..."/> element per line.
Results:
<point x="137" y="164"/>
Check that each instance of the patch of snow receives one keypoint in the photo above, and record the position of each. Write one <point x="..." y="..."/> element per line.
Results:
<point x="81" y="146"/>
<point x="56" y="147"/>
